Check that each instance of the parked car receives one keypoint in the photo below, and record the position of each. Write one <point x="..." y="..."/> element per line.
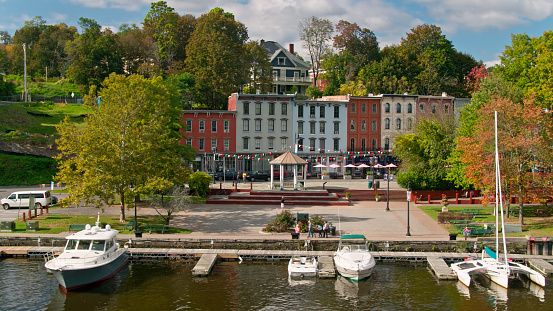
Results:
<point x="22" y="198"/>
<point x="276" y="173"/>
<point x="258" y="175"/>
<point x="225" y="176"/>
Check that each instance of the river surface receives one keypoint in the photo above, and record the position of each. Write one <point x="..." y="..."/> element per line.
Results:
<point x="258" y="285"/>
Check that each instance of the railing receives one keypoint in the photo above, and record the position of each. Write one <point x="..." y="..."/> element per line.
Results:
<point x="293" y="79"/>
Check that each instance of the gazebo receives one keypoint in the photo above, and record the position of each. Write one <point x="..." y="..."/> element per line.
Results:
<point x="288" y="158"/>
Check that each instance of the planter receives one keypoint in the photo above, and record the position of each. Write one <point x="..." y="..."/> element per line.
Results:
<point x="377" y="199"/>
<point x="347" y="176"/>
<point x="325" y="177"/>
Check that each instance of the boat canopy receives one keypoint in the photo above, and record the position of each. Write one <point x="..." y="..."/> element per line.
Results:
<point x="490" y="253"/>
<point x="352" y="236"/>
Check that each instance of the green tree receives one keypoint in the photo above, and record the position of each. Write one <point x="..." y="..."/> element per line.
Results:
<point x="215" y="57"/>
<point x="199" y="184"/>
<point x="313" y="92"/>
<point x="360" y="43"/>
<point x="261" y="70"/>
<point x="131" y="137"/>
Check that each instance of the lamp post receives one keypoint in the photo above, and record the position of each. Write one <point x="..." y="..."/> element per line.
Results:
<point x="137" y="233"/>
<point x="388" y="193"/>
<point x="214" y="149"/>
<point x="408" y="200"/>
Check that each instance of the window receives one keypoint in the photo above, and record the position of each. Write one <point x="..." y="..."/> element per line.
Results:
<point x="300" y="127"/>
<point x="387" y="124"/>
<point x="387" y="108"/>
<point x="352" y="125"/>
<point x="398" y="108"/>
<point x="258" y="125"/>
<point x="226" y="144"/>
<point x="246" y="108"/>
<point x="336" y="127"/>
<point x="214" y="144"/>
<point x="321" y="127"/>
<point x="387" y="144"/>
<point x="245" y="143"/>
<point x="271" y="109"/>
<point x="189" y="125"/>
<point x="364" y="125"/>
<point x="375" y="124"/>
<point x="352" y="107"/>
<point x="336" y="111"/>
<point x="352" y="144"/>
<point x="284" y="109"/>
<point x="312" y="144"/>
<point x="201" y="127"/>
<point x="300" y="144"/>
<point x="213" y="126"/>
<point x="201" y="144"/>
<point x="374" y="143"/>
<point x="226" y="126"/>
<point x="398" y="124"/>
<point x="433" y="108"/>
<point x="257" y="109"/>
<point x="409" y="124"/>
<point x="446" y="108"/>
<point x="322" y="145"/>
<point x="257" y="143"/>
<point x="421" y="107"/>
<point x="409" y="108"/>
<point x="336" y="144"/>
<point x="311" y="111"/>
<point x="312" y="128"/>
<point x="363" y="108"/>
<point x="322" y="111"/>
<point x="283" y="143"/>
<point x="283" y="125"/>
<point x="363" y="146"/>
<point x="271" y="143"/>
<point x="246" y="125"/>
<point x="189" y="142"/>
<point x="375" y="109"/>
<point x="271" y="125"/>
<point x="281" y="61"/>
<point x="300" y="111"/>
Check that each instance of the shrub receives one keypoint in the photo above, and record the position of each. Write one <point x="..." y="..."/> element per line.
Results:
<point x="199" y="184"/>
<point x="282" y="222"/>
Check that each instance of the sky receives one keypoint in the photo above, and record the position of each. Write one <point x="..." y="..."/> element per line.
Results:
<point x="481" y="28"/>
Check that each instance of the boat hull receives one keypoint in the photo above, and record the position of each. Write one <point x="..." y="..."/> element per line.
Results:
<point x="74" y="278"/>
<point x="354" y="271"/>
<point x="302" y="267"/>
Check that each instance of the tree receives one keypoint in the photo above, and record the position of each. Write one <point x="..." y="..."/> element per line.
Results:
<point x="424" y="154"/>
<point x="215" y="57"/>
<point x="131" y="137"/>
<point x="313" y="92"/>
<point x="360" y="43"/>
<point x="315" y="33"/>
<point x="524" y="143"/>
<point x="261" y="70"/>
<point x="176" y="201"/>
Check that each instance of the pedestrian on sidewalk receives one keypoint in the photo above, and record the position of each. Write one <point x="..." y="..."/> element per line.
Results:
<point x="466" y="232"/>
<point x="238" y="177"/>
<point x="310" y="229"/>
<point x="298" y="229"/>
<point x="282" y="204"/>
<point x="325" y="230"/>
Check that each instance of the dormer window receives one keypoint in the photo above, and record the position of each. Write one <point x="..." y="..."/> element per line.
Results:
<point x="281" y="61"/>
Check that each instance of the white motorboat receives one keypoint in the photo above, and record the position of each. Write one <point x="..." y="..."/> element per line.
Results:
<point x="353" y="260"/>
<point x="303" y="266"/>
<point x="91" y="255"/>
<point x="498" y="270"/>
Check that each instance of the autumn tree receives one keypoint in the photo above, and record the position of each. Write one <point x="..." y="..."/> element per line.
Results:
<point x="358" y="45"/>
<point x="316" y="33"/>
<point x="524" y="143"/>
<point x="132" y="136"/>
<point x="215" y="57"/>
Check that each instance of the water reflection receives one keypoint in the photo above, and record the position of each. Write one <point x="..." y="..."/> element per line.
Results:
<point x="351" y="289"/>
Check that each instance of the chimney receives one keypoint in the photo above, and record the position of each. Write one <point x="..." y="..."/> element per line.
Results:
<point x="444" y="94"/>
<point x="291" y="48"/>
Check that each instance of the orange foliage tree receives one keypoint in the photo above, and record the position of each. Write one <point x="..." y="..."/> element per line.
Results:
<point x="524" y="143"/>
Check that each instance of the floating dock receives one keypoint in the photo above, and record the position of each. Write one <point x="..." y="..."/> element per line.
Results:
<point x="437" y="262"/>
<point x="204" y="265"/>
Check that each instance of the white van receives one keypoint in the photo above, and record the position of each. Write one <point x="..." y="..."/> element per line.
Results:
<point x="21" y="199"/>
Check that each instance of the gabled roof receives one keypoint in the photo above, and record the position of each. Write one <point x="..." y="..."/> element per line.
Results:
<point x="274" y="49"/>
<point x="288" y="158"/>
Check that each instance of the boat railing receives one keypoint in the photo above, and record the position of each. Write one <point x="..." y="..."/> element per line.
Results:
<point x="87" y="261"/>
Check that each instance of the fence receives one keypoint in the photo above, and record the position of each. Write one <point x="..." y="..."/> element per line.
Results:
<point x="68" y="99"/>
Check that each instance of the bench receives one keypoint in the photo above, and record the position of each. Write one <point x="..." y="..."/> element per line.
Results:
<point x="157" y="228"/>
<point x="76" y="227"/>
<point x="130" y="224"/>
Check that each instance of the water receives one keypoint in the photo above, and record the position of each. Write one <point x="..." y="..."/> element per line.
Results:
<point x="168" y="285"/>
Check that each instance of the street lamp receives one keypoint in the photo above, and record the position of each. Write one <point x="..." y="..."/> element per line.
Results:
<point x="388" y="193"/>
<point x="408" y="200"/>
<point x="214" y="149"/>
<point x="137" y="233"/>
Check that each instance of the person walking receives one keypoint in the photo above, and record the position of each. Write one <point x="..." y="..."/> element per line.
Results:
<point x="238" y="178"/>
<point x="282" y="204"/>
<point x="325" y="230"/>
<point x="297" y="229"/>
<point x="310" y="229"/>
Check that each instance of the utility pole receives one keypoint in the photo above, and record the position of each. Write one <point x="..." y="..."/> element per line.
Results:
<point x="25" y="69"/>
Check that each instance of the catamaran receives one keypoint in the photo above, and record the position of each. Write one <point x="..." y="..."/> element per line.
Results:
<point x="498" y="269"/>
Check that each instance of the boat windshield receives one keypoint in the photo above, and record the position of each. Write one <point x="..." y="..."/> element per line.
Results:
<point x="71" y="244"/>
<point x="354" y="248"/>
<point x="98" y="245"/>
<point x="84" y="244"/>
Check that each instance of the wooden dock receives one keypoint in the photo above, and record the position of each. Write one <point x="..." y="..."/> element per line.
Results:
<point x="438" y="262"/>
<point x="204" y="265"/>
<point x="326" y="267"/>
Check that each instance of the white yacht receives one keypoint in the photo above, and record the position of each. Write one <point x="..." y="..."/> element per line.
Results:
<point x="353" y="260"/>
<point x="303" y="266"/>
<point x="91" y="255"/>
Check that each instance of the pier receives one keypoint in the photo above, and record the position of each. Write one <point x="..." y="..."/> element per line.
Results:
<point x="437" y="262"/>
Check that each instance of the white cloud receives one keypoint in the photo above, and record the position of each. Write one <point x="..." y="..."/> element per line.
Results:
<point x="129" y="5"/>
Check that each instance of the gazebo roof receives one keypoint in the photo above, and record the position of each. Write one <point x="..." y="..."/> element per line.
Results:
<point x="288" y="158"/>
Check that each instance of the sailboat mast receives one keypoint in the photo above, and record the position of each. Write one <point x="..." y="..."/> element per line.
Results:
<point x="499" y="198"/>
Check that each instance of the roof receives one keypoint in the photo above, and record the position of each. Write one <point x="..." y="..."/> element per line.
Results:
<point x="94" y="233"/>
<point x="352" y="236"/>
<point x="274" y="49"/>
<point x="288" y="158"/>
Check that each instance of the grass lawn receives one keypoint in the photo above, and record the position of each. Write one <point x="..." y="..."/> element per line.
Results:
<point x="533" y="226"/>
<point x="54" y="224"/>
